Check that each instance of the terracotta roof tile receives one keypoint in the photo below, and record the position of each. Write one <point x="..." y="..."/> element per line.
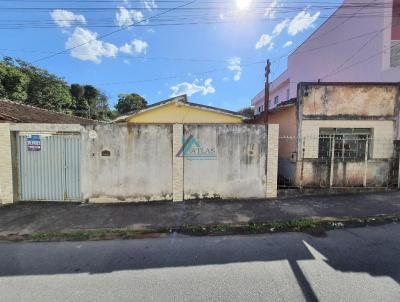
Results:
<point x="21" y="113"/>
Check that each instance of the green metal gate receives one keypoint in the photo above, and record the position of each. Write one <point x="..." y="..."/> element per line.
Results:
<point x="49" y="167"/>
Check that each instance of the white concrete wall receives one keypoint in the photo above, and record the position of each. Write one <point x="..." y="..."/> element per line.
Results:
<point x="238" y="171"/>
<point x="139" y="167"/>
<point x="145" y="162"/>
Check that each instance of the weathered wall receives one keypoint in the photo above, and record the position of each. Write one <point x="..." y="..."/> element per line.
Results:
<point x="315" y="173"/>
<point x="238" y="169"/>
<point x="382" y="132"/>
<point x="139" y="167"/>
<point x="129" y="163"/>
<point x="351" y="101"/>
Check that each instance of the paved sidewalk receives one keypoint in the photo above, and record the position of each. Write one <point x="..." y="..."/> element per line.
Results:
<point x="26" y="218"/>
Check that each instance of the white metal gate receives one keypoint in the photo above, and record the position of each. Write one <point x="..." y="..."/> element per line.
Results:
<point x="49" y="167"/>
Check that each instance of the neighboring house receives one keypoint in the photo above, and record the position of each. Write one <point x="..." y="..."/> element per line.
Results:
<point x="358" y="43"/>
<point x="178" y="110"/>
<point x="338" y="134"/>
<point x="13" y="112"/>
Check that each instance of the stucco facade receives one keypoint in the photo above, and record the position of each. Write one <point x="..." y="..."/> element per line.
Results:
<point x="366" y="111"/>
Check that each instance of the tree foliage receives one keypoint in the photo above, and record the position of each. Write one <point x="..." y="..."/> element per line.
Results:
<point x="13" y="82"/>
<point x="46" y="90"/>
<point x="90" y="102"/>
<point x="247" y="111"/>
<point x="129" y="102"/>
<point x="25" y="83"/>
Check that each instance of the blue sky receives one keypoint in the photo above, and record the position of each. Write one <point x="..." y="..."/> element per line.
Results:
<point x="213" y="50"/>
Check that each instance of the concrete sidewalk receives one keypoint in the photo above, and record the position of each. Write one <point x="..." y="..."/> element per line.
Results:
<point x="26" y="218"/>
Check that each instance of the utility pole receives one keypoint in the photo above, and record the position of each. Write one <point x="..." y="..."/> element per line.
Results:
<point x="266" y="91"/>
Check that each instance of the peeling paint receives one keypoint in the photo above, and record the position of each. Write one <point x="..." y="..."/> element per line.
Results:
<point x="349" y="100"/>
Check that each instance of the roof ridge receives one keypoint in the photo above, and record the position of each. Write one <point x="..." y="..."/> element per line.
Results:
<point x="47" y="110"/>
<point x="184" y="99"/>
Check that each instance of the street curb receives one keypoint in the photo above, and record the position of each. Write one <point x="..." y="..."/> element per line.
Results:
<point x="317" y="226"/>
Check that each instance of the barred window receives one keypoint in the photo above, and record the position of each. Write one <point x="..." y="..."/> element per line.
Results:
<point x="349" y="143"/>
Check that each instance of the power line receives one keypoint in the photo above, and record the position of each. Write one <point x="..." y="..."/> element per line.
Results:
<point x="357" y="52"/>
<point x="111" y="33"/>
<point x="362" y="61"/>
<point x="211" y="22"/>
<point x="182" y="75"/>
<point x="201" y="60"/>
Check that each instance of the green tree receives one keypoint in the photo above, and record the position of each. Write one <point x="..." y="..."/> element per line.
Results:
<point x="247" y="111"/>
<point x="81" y="107"/>
<point x="13" y="82"/>
<point x="90" y="102"/>
<point x="23" y="82"/>
<point x="129" y="102"/>
<point x="46" y="90"/>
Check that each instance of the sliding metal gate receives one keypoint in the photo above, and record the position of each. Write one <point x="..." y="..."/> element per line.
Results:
<point x="49" y="167"/>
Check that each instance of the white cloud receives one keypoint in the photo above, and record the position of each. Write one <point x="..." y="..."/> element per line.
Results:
<point x="124" y="17"/>
<point x="136" y="46"/>
<point x="280" y="27"/>
<point x="192" y="88"/>
<point x="263" y="41"/>
<point x="301" y="22"/>
<point x="234" y="65"/>
<point x="266" y="40"/>
<point x="150" y="4"/>
<point x="271" y="9"/>
<point x="287" y="44"/>
<point x="93" y="49"/>
<point x="126" y="62"/>
<point x="65" y="18"/>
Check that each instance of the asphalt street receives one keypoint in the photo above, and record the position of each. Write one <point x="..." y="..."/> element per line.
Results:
<point x="359" y="264"/>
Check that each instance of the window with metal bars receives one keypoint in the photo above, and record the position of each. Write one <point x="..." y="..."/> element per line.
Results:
<point x="348" y="143"/>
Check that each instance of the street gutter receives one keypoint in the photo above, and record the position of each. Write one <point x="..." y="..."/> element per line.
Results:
<point x="314" y="226"/>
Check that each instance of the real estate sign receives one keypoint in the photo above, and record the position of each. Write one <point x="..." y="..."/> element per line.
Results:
<point x="34" y="143"/>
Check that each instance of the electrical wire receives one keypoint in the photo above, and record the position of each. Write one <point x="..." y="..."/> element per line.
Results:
<point x="110" y="33"/>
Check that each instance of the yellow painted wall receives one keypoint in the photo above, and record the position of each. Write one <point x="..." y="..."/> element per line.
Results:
<point x="182" y="114"/>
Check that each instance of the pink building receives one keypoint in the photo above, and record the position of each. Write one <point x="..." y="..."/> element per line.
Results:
<point x="360" y="42"/>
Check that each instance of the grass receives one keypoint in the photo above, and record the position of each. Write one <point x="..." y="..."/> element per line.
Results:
<point x="250" y="228"/>
<point x="299" y="225"/>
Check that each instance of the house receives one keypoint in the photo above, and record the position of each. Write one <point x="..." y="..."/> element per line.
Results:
<point x="338" y="134"/>
<point x="358" y="43"/>
<point x="14" y="112"/>
<point x="178" y="110"/>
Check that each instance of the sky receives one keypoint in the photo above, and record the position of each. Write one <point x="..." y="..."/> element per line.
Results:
<point x="213" y="50"/>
